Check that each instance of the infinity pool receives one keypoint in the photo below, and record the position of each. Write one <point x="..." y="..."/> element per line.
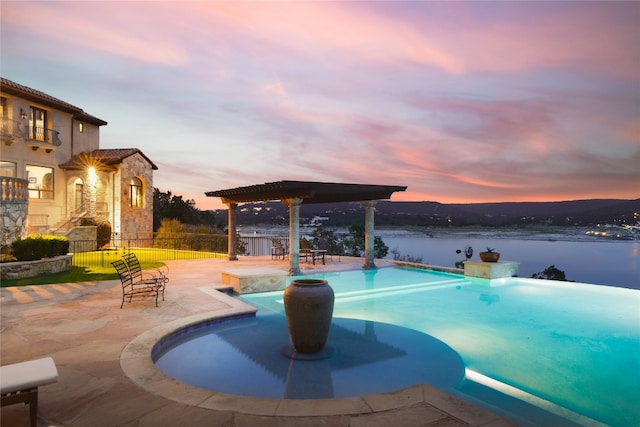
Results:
<point x="571" y="349"/>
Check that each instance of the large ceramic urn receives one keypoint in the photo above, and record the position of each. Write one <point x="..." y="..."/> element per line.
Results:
<point x="308" y="304"/>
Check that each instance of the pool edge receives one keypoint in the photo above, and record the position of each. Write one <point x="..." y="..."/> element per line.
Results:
<point x="137" y="364"/>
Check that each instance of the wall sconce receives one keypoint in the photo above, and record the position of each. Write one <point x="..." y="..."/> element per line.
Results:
<point x="23" y="115"/>
<point x="93" y="177"/>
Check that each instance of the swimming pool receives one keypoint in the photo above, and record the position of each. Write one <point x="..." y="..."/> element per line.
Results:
<point x="574" y="346"/>
<point x="572" y="349"/>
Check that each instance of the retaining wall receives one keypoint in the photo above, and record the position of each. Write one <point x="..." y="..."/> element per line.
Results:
<point x="23" y="269"/>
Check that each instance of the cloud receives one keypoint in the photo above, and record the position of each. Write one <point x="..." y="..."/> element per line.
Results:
<point x="461" y="101"/>
<point x="115" y="29"/>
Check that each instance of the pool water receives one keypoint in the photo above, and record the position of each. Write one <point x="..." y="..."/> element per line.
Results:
<point x="245" y="357"/>
<point x="571" y="348"/>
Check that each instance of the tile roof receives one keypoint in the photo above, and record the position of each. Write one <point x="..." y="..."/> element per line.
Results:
<point x="105" y="157"/>
<point x="13" y="88"/>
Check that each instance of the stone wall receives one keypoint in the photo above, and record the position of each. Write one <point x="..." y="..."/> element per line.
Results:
<point x="23" y="269"/>
<point x="136" y="222"/>
<point x="83" y="238"/>
<point x="14" y="220"/>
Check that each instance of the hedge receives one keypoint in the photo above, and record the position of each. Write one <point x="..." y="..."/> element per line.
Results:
<point x="34" y="248"/>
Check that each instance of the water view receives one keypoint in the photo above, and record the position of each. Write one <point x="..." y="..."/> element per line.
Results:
<point x="601" y="262"/>
<point x="583" y="258"/>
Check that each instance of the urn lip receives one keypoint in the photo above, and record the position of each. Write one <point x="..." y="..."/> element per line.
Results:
<point x="309" y="282"/>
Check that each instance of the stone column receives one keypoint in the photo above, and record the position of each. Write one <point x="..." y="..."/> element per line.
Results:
<point x="294" y="234"/>
<point x="232" y="229"/>
<point x="89" y="192"/>
<point x="369" y="249"/>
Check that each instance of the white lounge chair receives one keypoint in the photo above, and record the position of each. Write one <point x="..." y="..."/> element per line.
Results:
<point x="19" y="383"/>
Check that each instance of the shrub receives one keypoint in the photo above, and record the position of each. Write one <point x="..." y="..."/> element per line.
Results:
<point x="551" y="273"/>
<point x="103" y="233"/>
<point x="41" y="246"/>
<point x="397" y="256"/>
<point x="87" y="221"/>
<point x="5" y="254"/>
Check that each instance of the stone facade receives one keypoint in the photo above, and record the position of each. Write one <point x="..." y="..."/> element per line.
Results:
<point x="83" y="238"/>
<point x="57" y="165"/>
<point x="253" y="280"/>
<point x="14" y="209"/>
<point x="14" y="220"/>
<point x="136" y="222"/>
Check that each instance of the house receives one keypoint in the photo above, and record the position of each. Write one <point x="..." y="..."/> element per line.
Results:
<point x="56" y="178"/>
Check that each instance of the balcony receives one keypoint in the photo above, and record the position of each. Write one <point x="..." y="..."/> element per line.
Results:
<point x="47" y="139"/>
<point x="14" y="190"/>
<point x="11" y="131"/>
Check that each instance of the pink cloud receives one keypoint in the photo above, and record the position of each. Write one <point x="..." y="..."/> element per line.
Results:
<point x="118" y="29"/>
<point x="580" y="35"/>
<point x="461" y="101"/>
<point x="452" y="37"/>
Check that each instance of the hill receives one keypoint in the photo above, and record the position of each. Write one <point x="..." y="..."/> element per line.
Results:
<point x="567" y="213"/>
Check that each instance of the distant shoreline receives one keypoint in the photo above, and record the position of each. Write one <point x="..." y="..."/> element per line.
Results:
<point x="517" y="233"/>
<point x="550" y="233"/>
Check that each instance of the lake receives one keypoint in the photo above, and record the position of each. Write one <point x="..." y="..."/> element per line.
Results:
<point x="583" y="258"/>
<point x="602" y="262"/>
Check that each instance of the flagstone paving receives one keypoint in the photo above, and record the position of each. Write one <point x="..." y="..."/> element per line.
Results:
<point x="83" y="328"/>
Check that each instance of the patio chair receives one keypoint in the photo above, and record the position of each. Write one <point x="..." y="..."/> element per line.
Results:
<point x="140" y="286"/>
<point x="307" y="251"/>
<point x="135" y="268"/>
<point x="278" y="250"/>
<point x="19" y="383"/>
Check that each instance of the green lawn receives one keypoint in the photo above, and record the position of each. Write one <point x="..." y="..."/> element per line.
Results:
<point x="96" y="266"/>
<point x="76" y="274"/>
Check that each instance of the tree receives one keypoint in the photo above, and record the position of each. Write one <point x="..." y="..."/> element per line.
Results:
<point x="173" y="234"/>
<point x="551" y="273"/>
<point x="354" y="243"/>
<point x="169" y="206"/>
<point x="325" y="238"/>
<point x="351" y="245"/>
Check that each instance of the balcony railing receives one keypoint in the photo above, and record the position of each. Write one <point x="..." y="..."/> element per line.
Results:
<point x="11" y="130"/>
<point x="39" y="137"/>
<point x="14" y="189"/>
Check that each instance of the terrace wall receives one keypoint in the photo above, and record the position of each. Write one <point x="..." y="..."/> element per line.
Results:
<point x="24" y="269"/>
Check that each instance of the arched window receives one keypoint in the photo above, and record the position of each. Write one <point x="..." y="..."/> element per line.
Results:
<point x="136" y="196"/>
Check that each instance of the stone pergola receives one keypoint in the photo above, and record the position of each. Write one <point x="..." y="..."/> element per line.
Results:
<point x="296" y="193"/>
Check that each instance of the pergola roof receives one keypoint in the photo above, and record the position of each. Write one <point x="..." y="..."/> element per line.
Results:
<point x="308" y="191"/>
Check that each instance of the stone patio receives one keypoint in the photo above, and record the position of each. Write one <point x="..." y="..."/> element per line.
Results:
<point x="104" y="382"/>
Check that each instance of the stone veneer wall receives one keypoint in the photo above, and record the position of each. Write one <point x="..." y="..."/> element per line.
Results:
<point x="83" y="238"/>
<point x="23" y="269"/>
<point x="136" y="222"/>
<point x="14" y="220"/>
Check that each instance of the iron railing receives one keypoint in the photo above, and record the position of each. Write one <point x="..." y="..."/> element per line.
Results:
<point x="159" y="249"/>
<point x="68" y="224"/>
<point x="45" y="135"/>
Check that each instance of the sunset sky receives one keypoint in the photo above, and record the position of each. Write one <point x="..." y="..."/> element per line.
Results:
<point x="462" y="102"/>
